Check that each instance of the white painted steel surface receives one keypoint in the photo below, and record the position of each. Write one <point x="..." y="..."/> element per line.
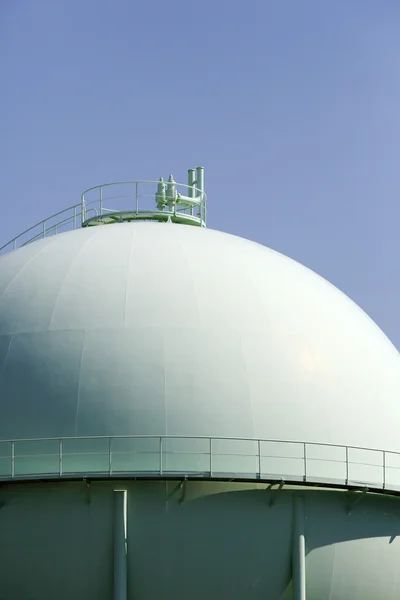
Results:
<point x="160" y="329"/>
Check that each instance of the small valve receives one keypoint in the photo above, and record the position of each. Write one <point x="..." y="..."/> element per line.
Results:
<point x="171" y="192"/>
<point x="160" y="195"/>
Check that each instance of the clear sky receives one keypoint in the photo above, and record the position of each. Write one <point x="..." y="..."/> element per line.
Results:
<point x="292" y="106"/>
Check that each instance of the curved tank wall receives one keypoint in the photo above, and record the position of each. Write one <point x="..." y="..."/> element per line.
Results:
<point x="221" y="540"/>
<point x="166" y="329"/>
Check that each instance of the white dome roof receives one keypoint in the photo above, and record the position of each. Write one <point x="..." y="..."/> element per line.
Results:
<point x="172" y="330"/>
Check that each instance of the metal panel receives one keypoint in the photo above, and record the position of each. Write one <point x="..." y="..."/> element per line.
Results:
<point x="164" y="329"/>
<point x="221" y="540"/>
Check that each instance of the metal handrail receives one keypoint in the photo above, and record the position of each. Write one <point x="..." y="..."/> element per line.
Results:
<point x="217" y="463"/>
<point x="42" y="227"/>
<point x="101" y="199"/>
<point x="79" y="213"/>
<point x="194" y="437"/>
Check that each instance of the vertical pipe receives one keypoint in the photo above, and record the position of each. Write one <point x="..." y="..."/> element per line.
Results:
<point x="60" y="456"/>
<point x="211" y="457"/>
<point x="12" y="459"/>
<point x="305" y="461"/>
<point x="200" y="178"/>
<point x="161" y="456"/>
<point x="109" y="457"/>
<point x="191" y="183"/>
<point x="298" y="551"/>
<point x="259" y="459"/>
<point x="200" y="186"/>
<point x="347" y="465"/>
<point x="120" y="546"/>
<point x="101" y="200"/>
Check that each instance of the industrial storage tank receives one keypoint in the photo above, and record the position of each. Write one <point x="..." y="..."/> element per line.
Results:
<point x="186" y="413"/>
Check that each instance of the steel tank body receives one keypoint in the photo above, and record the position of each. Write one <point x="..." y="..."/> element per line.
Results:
<point x="222" y="540"/>
<point x="187" y="413"/>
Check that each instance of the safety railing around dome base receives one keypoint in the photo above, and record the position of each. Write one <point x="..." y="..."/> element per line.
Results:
<point x="122" y="201"/>
<point x="199" y="457"/>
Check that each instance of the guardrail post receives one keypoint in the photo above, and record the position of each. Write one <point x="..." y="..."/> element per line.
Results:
<point x="347" y="465"/>
<point x="83" y="209"/>
<point x="109" y="457"/>
<point x="210" y="449"/>
<point x="259" y="459"/>
<point x="161" y="456"/>
<point x="191" y="183"/>
<point x="12" y="459"/>
<point x="384" y="469"/>
<point x="136" y="199"/>
<point x="60" y="457"/>
<point x="305" y="460"/>
<point x="101" y="200"/>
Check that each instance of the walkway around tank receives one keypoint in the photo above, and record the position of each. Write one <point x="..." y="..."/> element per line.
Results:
<point x="118" y="202"/>
<point x="200" y="457"/>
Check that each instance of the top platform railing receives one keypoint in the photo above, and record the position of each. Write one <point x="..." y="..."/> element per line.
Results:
<point x="124" y="201"/>
<point x="65" y="220"/>
<point x="233" y="459"/>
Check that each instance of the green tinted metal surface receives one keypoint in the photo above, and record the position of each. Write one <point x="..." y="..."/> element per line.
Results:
<point x="215" y="540"/>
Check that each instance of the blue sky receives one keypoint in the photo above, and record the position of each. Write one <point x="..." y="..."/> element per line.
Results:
<point x="292" y="106"/>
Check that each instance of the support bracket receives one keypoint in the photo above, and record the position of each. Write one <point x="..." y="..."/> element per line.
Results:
<point x="354" y="497"/>
<point x="87" y="491"/>
<point x="183" y="488"/>
<point x="274" y="493"/>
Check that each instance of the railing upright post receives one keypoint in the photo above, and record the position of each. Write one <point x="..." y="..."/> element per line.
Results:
<point x="74" y="217"/>
<point x="305" y="460"/>
<point x="259" y="459"/>
<point x="210" y="449"/>
<point x="12" y="459"/>
<point x="101" y="200"/>
<point x="136" y="199"/>
<point x="161" y="455"/>
<point x="83" y="209"/>
<point x="109" y="457"/>
<point x="384" y="469"/>
<point x="347" y="465"/>
<point x="44" y="229"/>
<point x="60" y="457"/>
